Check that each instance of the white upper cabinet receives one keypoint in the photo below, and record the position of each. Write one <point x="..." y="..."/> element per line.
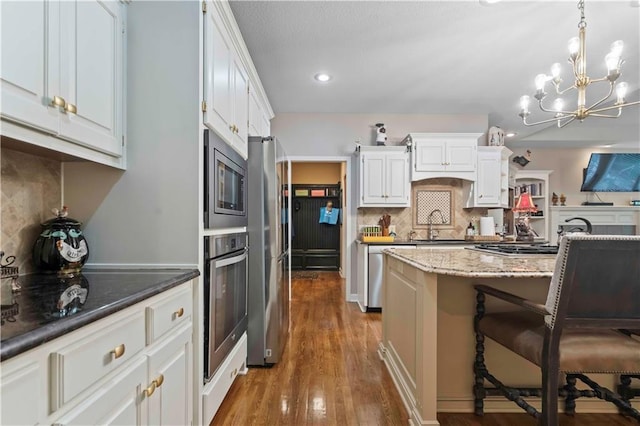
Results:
<point x="258" y="122"/>
<point x="384" y="177"/>
<point x="62" y="74"/>
<point x="443" y="155"/>
<point x="491" y="188"/>
<point x="226" y="84"/>
<point x="29" y="64"/>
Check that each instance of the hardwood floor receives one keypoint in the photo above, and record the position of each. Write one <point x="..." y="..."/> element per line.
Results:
<point x="330" y="373"/>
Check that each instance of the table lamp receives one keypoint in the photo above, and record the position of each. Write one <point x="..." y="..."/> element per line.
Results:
<point x="525" y="205"/>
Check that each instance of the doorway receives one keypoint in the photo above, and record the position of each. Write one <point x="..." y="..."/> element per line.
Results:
<point x="318" y="239"/>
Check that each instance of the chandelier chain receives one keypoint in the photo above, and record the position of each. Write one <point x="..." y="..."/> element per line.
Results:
<point x="583" y="22"/>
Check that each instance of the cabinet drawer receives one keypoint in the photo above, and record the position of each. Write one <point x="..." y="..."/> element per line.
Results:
<point x="168" y="312"/>
<point x="20" y="389"/>
<point x="82" y="363"/>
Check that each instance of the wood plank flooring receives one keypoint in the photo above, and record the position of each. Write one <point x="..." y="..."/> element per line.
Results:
<point x="330" y="373"/>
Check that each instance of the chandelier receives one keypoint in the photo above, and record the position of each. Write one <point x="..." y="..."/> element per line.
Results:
<point x="578" y="60"/>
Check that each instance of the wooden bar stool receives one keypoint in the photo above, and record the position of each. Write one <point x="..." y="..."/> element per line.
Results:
<point x="594" y="294"/>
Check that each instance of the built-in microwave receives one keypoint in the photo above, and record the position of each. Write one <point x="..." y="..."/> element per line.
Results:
<point x="225" y="195"/>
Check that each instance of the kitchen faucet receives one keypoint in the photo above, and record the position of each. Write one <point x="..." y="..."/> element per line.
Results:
<point x="431" y="233"/>
<point x="562" y="230"/>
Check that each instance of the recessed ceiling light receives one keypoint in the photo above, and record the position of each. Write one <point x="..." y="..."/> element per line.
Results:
<point x="488" y="2"/>
<point x="510" y="134"/>
<point x="322" y="77"/>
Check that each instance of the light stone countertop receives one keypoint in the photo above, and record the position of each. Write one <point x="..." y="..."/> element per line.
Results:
<point x="475" y="264"/>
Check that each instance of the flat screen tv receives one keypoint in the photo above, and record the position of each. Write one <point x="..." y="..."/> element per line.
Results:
<point x="612" y="173"/>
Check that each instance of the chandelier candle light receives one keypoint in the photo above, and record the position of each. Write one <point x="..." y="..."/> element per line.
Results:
<point x="578" y="59"/>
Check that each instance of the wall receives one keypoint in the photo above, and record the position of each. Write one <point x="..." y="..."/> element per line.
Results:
<point x="30" y="189"/>
<point x="335" y="134"/>
<point x="567" y="165"/>
<point x="309" y="134"/>
<point x="150" y="214"/>
<point x="404" y="218"/>
<point x="309" y="173"/>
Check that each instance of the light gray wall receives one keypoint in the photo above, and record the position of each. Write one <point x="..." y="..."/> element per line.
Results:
<point x="567" y="165"/>
<point x="150" y="213"/>
<point x="327" y="135"/>
<point x="335" y="134"/>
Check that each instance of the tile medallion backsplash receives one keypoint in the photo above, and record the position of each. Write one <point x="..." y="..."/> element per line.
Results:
<point x="433" y="194"/>
<point x="31" y="187"/>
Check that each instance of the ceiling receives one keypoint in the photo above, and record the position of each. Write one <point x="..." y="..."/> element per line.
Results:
<point x="439" y="57"/>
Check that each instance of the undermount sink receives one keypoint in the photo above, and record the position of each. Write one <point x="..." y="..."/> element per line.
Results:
<point x="442" y="241"/>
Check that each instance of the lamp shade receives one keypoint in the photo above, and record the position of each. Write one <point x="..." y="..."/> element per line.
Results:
<point x="525" y="204"/>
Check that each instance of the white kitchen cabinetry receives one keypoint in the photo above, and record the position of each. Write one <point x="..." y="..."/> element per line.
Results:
<point x="62" y="76"/>
<point x="128" y="368"/>
<point x="491" y="187"/>
<point x="226" y="84"/>
<point x="384" y="177"/>
<point x="452" y="155"/>
<point x="536" y="182"/>
<point x="258" y="121"/>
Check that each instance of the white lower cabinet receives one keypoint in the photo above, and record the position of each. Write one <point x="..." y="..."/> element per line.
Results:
<point x="20" y="387"/>
<point x="105" y="373"/>
<point x="118" y="402"/>
<point x="169" y="375"/>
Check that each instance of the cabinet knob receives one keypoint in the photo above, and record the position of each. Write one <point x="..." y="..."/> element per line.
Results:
<point x="150" y="390"/>
<point x="70" y="108"/>
<point x="118" y="351"/>
<point x="179" y="313"/>
<point x="159" y="381"/>
<point x="58" y="101"/>
<point x="480" y="196"/>
<point x="231" y="127"/>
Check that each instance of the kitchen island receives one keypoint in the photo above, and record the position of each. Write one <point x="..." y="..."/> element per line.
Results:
<point x="428" y="343"/>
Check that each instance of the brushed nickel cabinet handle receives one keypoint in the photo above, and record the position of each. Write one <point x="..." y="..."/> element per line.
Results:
<point x="58" y="101"/>
<point x="150" y="390"/>
<point x="70" y="108"/>
<point x="118" y="351"/>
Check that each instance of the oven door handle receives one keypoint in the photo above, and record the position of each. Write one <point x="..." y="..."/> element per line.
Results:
<point x="221" y="263"/>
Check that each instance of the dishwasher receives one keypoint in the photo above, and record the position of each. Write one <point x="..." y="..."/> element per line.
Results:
<point x="374" y="281"/>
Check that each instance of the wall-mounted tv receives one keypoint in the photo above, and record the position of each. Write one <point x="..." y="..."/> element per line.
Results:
<point x="615" y="172"/>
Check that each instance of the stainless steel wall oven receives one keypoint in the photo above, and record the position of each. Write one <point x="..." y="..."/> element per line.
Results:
<point x="225" y="297"/>
<point x="225" y="195"/>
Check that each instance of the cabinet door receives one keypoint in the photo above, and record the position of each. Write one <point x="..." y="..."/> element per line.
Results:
<point x="29" y="63"/>
<point x="170" y="372"/>
<point x="240" y="107"/>
<point x="397" y="182"/>
<point x="255" y="116"/>
<point x="91" y="74"/>
<point x="20" y="386"/>
<point x="120" y="401"/>
<point x="217" y="73"/>
<point x="430" y="156"/>
<point x="372" y="179"/>
<point x="461" y="155"/>
<point x="488" y="183"/>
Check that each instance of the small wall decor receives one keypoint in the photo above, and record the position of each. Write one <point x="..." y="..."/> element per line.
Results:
<point x="523" y="160"/>
<point x="430" y="200"/>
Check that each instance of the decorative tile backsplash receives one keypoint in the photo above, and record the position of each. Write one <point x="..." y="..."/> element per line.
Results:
<point x="406" y="219"/>
<point x="31" y="187"/>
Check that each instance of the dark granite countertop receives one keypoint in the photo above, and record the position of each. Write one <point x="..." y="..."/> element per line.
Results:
<point x="49" y="306"/>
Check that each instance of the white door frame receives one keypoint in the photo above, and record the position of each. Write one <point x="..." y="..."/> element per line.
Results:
<point x="349" y="217"/>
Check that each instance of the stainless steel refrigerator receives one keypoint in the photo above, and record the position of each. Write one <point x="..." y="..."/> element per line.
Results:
<point x="269" y="192"/>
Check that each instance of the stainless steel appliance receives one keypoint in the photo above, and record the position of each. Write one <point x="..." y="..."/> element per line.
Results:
<point x="225" y="194"/>
<point x="376" y="270"/>
<point x="269" y="264"/>
<point x="225" y="296"/>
